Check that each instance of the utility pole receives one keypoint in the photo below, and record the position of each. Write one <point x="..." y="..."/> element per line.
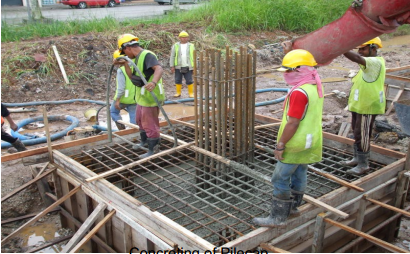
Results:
<point x="176" y="5"/>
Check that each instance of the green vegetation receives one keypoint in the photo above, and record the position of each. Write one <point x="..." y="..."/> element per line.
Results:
<point x="227" y="16"/>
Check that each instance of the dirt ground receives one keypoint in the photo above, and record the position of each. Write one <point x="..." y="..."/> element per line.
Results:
<point x="30" y="73"/>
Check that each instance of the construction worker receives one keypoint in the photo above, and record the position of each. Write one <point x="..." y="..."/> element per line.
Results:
<point x="147" y="108"/>
<point x="366" y="101"/>
<point x="299" y="141"/>
<point x="15" y="142"/>
<point x="124" y="97"/>
<point x="182" y="63"/>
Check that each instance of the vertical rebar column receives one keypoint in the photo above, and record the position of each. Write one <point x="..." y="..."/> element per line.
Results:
<point x="237" y="105"/>
<point x="231" y="106"/>
<point x="206" y="120"/>
<point x="252" y="106"/>
<point x="198" y="89"/>
<point x="244" y="104"/>
<point x="219" y="95"/>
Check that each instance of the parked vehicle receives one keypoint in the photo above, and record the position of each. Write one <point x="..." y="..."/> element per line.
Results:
<point x="162" y="2"/>
<point x="82" y="4"/>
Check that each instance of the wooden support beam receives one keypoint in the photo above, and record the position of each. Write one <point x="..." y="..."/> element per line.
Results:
<point x="47" y="128"/>
<point x="41" y="214"/>
<point x="396" y="98"/>
<point x="267" y="125"/>
<point x="398" y="210"/>
<point x="42" y="169"/>
<point x="360" y="218"/>
<point x="336" y="179"/>
<point x="133" y="164"/>
<point x="93" y="232"/>
<point x="84" y="227"/>
<point x="319" y="233"/>
<point x="272" y="249"/>
<point x="14" y="192"/>
<point x="327" y="207"/>
<point x="27" y="216"/>
<point x="55" y="241"/>
<point x="378" y="242"/>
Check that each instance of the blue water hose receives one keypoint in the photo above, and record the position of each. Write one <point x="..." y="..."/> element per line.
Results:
<point x="34" y="140"/>
<point x="37" y="103"/>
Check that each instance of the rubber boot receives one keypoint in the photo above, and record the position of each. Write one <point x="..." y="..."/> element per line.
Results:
<point x="363" y="164"/>
<point x="153" y="148"/>
<point x="178" y="87"/>
<point x="120" y="126"/>
<point x="297" y="200"/>
<point x="279" y="213"/>
<point x="191" y="91"/>
<point x="19" y="145"/>
<point x="354" y="160"/>
<point x="144" y="140"/>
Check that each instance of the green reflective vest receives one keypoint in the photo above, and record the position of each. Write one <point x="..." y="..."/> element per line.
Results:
<point x="191" y="53"/>
<point x="368" y="98"/>
<point x="143" y="96"/>
<point x="305" y="146"/>
<point x="129" y="95"/>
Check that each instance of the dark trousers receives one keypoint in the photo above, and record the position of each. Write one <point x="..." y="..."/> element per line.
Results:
<point x="362" y="126"/>
<point x="7" y="137"/>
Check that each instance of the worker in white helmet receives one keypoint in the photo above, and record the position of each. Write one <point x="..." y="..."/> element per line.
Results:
<point x="182" y="63"/>
<point x="366" y="101"/>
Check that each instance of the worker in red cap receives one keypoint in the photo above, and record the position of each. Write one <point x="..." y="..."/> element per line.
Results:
<point x="182" y="63"/>
<point x="299" y="141"/>
<point x="15" y="142"/>
<point x="366" y="101"/>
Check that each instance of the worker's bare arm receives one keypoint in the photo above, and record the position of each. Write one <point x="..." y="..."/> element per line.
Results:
<point x="288" y="132"/>
<point x="355" y="57"/>
<point x="287" y="46"/>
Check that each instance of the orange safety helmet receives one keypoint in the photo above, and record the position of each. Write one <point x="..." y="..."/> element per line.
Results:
<point x="2" y="121"/>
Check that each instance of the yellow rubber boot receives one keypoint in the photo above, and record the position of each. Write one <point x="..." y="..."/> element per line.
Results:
<point x="178" y="88"/>
<point x="191" y="90"/>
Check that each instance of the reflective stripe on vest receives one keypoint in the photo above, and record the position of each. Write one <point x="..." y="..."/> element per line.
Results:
<point x="144" y="97"/>
<point x="129" y="95"/>
<point x="305" y="146"/>
<point x="191" y="53"/>
<point x="368" y="98"/>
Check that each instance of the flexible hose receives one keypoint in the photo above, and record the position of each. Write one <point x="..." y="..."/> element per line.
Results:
<point x="37" y="103"/>
<point x="153" y="96"/>
<point x="29" y="140"/>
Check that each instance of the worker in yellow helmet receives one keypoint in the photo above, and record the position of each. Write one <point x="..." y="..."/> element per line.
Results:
<point x="124" y="98"/>
<point x="182" y="63"/>
<point x="366" y="101"/>
<point x="299" y="140"/>
<point x="18" y="146"/>
<point x="147" y="108"/>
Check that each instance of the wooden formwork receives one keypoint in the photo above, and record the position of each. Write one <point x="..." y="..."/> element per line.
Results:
<point x="124" y="222"/>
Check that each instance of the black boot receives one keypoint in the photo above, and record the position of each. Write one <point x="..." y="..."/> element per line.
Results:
<point x="354" y="161"/>
<point x="19" y="145"/>
<point x="120" y="126"/>
<point x="297" y="200"/>
<point x="144" y="140"/>
<point x="363" y="164"/>
<point x="153" y="147"/>
<point x="280" y="211"/>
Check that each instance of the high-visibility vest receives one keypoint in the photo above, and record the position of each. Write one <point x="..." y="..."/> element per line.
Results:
<point x="191" y="53"/>
<point x="143" y="96"/>
<point x="129" y="95"/>
<point x="368" y="98"/>
<point x="305" y="146"/>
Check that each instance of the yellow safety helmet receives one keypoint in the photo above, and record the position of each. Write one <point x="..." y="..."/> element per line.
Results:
<point x="122" y="39"/>
<point x="296" y="58"/>
<point x="375" y="41"/>
<point x="183" y="34"/>
<point x="117" y="54"/>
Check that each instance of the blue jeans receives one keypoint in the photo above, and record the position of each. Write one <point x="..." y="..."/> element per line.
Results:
<point x="288" y="176"/>
<point x="131" y="108"/>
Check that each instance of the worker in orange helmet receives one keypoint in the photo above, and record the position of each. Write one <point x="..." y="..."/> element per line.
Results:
<point x="182" y="63"/>
<point x="366" y="101"/>
<point x="15" y="142"/>
<point x="147" y="108"/>
<point x="299" y="141"/>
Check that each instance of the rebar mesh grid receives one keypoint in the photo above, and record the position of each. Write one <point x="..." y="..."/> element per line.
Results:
<point x="174" y="185"/>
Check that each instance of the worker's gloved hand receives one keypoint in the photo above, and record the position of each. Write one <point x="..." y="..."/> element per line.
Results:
<point x="117" y="105"/>
<point x="119" y="62"/>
